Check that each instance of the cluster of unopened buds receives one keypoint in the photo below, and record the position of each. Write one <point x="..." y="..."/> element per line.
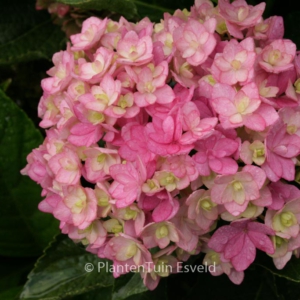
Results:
<point x="158" y="133"/>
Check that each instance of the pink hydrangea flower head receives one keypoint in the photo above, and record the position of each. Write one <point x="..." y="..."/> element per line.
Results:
<point x="135" y="143"/>
<point x="114" y="226"/>
<point x="124" y="107"/>
<point x="235" y="191"/>
<point x="36" y="168"/>
<point x="49" y="203"/>
<point x="94" y="235"/>
<point x="236" y="62"/>
<point x="238" y="242"/>
<point x="194" y="127"/>
<point x="159" y="234"/>
<point x="188" y="231"/>
<point x="66" y="166"/>
<point x="285" y="222"/>
<point x="291" y="117"/>
<point x="133" y="50"/>
<point x="182" y="166"/>
<point x="132" y="213"/>
<point x="157" y="132"/>
<point x="48" y="110"/>
<point x="124" y="249"/>
<point x="254" y="152"/>
<point x="278" y="56"/>
<point x="164" y="136"/>
<point x="214" y="154"/>
<point x="97" y="163"/>
<point x="184" y="73"/>
<point x="77" y="88"/>
<point x="162" y="204"/>
<point x="60" y="73"/>
<point x="195" y="41"/>
<point x="213" y="258"/>
<point x="128" y="180"/>
<point x="164" y="264"/>
<point x="251" y="212"/>
<point x="202" y="209"/>
<point x="94" y="71"/>
<point x="104" y="200"/>
<point x="239" y="15"/>
<point x="282" y="193"/>
<point x="91" y="32"/>
<point x="240" y="108"/>
<point x="282" y="147"/>
<point x="164" y="39"/>
<point x="78" y="207"/>
<point x="284" y="249"/>
<point x="151" y="84"/>
<point x="167" y="180"/>
<point x="85" y="134"/>
<point x="268" y="29"/>
<point x="104" y="95"/>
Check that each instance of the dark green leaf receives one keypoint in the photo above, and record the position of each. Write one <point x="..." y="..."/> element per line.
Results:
<point x="155" y="9"/>
<point x="132" y="287"/>
<point x="123" y="7"/>
<point x="24" y="231"/>
<point x="5" y="84"/>
<point x="152" y="11"/>
<point x="110" y="293"/>
<point x="159" y="293"/>
<point x="167" y="5"/>
<point x="27" y="34"/>
<point x="104" y="293"/>
<point x="60" y="273"/>
<point x="290" y="272"/>
<point x="129" y="286"/>
<point x="11" y="293"/>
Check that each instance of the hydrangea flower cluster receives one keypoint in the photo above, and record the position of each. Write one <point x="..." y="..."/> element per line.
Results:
<point x="158" y="133"/>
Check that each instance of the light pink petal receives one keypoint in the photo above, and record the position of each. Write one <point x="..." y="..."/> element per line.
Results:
<point x="234" y="246"/>
<point x="165" y="210"/>
<point x="261" y="241"/>
<point x="221" y="237"/>
<point x="246" y="257"/>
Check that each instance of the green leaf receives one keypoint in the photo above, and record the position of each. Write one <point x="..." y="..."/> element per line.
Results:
<point x="152" y="11"/>
<point x="11" y="293"/>
<point x="104" y="293"/>
<point x="132" y="287"/>
<point x="110" y="293"/>
<point x="290" y="272"/>
<point x="60" y="273"/>
<point x="24" y="231"/>
<point x="125" y="8"/>
<point x="5" y="84"/>
<point x="27" y="34"/>
<point x="155" y="9"/>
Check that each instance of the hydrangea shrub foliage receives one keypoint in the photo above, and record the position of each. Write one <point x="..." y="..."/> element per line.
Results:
<point x="172" y="141"/>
